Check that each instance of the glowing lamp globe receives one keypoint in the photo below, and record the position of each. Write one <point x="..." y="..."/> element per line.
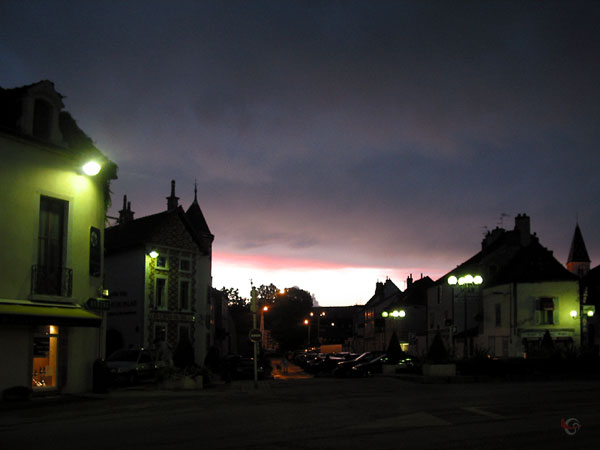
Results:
<point x="91" y="168"/>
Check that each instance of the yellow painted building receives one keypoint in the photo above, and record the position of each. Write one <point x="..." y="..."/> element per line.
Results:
<point x="51" y="318"/>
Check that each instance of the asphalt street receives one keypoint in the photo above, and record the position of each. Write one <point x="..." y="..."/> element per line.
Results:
<point x="298" y="412"/>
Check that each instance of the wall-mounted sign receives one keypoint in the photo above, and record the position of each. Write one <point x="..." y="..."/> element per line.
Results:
<point x="95" y="252"/>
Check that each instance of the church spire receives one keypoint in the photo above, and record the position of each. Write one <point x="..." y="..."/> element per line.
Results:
<point x="579" y="260"/>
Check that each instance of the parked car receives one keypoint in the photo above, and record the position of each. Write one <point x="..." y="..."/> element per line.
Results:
<point x="344" y="368"/>
<point x="327" y="364"/>
<point x="242" y="368"/>
<point x="132" y="366"/>
<point x="374" y="366"/>
<point x="369" y="368"/>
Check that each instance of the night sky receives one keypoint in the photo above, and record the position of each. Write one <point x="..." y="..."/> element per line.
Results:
<point x="333" y="143"/>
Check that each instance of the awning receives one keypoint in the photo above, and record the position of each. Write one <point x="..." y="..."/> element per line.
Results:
<point x="68" y="315"/>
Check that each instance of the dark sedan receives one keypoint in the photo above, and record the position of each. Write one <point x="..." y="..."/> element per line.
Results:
<point x="344" y="368"/>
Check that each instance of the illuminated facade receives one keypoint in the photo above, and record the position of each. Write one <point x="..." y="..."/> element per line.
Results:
<point x="51" y="306"/>
<point x="158" y="272"/>
<point x="525" y="292"/>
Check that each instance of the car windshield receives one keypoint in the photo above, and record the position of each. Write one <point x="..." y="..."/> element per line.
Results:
<point x="124" y="355"/>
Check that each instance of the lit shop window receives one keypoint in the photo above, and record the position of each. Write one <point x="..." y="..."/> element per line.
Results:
<point x="45" y="350"/>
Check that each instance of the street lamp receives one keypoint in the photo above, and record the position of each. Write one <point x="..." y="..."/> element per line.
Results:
<point x="321" y="314"/>
<point x="263" y="310"/>
<point x="307" y="322"/>
<point x="466" y="283"/>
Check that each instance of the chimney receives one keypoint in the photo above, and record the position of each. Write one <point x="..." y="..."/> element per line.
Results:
<point x="172" y="200"/>
<point x="126" y="214"/>
<point x="379" y="289"/>
<point x="409" y="281"/>
<point x="523" y="229"/>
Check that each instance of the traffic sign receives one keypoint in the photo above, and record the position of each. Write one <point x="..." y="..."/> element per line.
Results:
<point x="255" y="335"/>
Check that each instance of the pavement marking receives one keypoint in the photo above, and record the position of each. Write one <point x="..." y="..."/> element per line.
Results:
<point x="413" y="420"/>
<point x="483" y="412"/>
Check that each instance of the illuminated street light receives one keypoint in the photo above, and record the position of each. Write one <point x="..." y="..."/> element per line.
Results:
<point x="307" y="322"/>
<point x="153" y="254"/>
<point x="91" y="168"/>
<point x="395" y="314"/>
<point x="464" y="282"/>
<point x="573" y="314"/>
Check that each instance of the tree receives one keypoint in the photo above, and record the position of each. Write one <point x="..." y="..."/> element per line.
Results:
<point x="286" y="316"/>
<point x="394" y="351"/>
<point x="437" y="352"/>
<point x="234" y="297"/>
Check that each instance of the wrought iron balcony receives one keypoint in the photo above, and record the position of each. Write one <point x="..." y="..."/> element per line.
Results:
<point x="48" y="280"/>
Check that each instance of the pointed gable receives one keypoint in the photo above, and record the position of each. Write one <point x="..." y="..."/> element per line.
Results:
<point x="196" y="218"/>
<point x="578" y="252"/>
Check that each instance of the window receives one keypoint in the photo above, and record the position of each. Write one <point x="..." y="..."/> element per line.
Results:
<point x="45" y="351"/>
<point x="184" y="295"/>
<point x="51" y="247"/>
<point x="498" y="315"/>
<point x="546" y="308"/>
<point x="185" y="265"/>
<point x="161" y="261"/>
<point x="160" y="293"/>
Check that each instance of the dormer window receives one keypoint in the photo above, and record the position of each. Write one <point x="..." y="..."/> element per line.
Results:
<point x="42" y="119"/>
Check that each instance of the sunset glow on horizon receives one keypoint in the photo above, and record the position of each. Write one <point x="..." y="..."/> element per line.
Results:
<point x="331" y="284"/>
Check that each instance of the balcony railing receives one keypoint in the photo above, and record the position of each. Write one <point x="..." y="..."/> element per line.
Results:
<point x="47" y="280"/>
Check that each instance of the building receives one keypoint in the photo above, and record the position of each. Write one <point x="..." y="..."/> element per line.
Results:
<point x="525" y="292"/>
<point x="579" y="263"/>
<point x="52" y="236"/>
<point x="370" y="325"/>
<point x="332" y="325"/>
<point x="590" y="329"/>
<point x="158" y="272"/>
<point x="407" y="316"/>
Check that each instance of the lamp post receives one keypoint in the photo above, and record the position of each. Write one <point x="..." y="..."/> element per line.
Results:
<point x="394" y="314"/>
<point x="319" y="315"/>
<point x="263" y="310"/>
<point x="466" y="283"/>
<point x="307" y="322"/>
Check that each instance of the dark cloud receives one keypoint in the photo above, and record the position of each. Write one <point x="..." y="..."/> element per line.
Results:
<point x="383" y="133"/>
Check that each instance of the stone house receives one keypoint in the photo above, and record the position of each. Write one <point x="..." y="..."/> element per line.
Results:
<point x="158" y="272"/>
